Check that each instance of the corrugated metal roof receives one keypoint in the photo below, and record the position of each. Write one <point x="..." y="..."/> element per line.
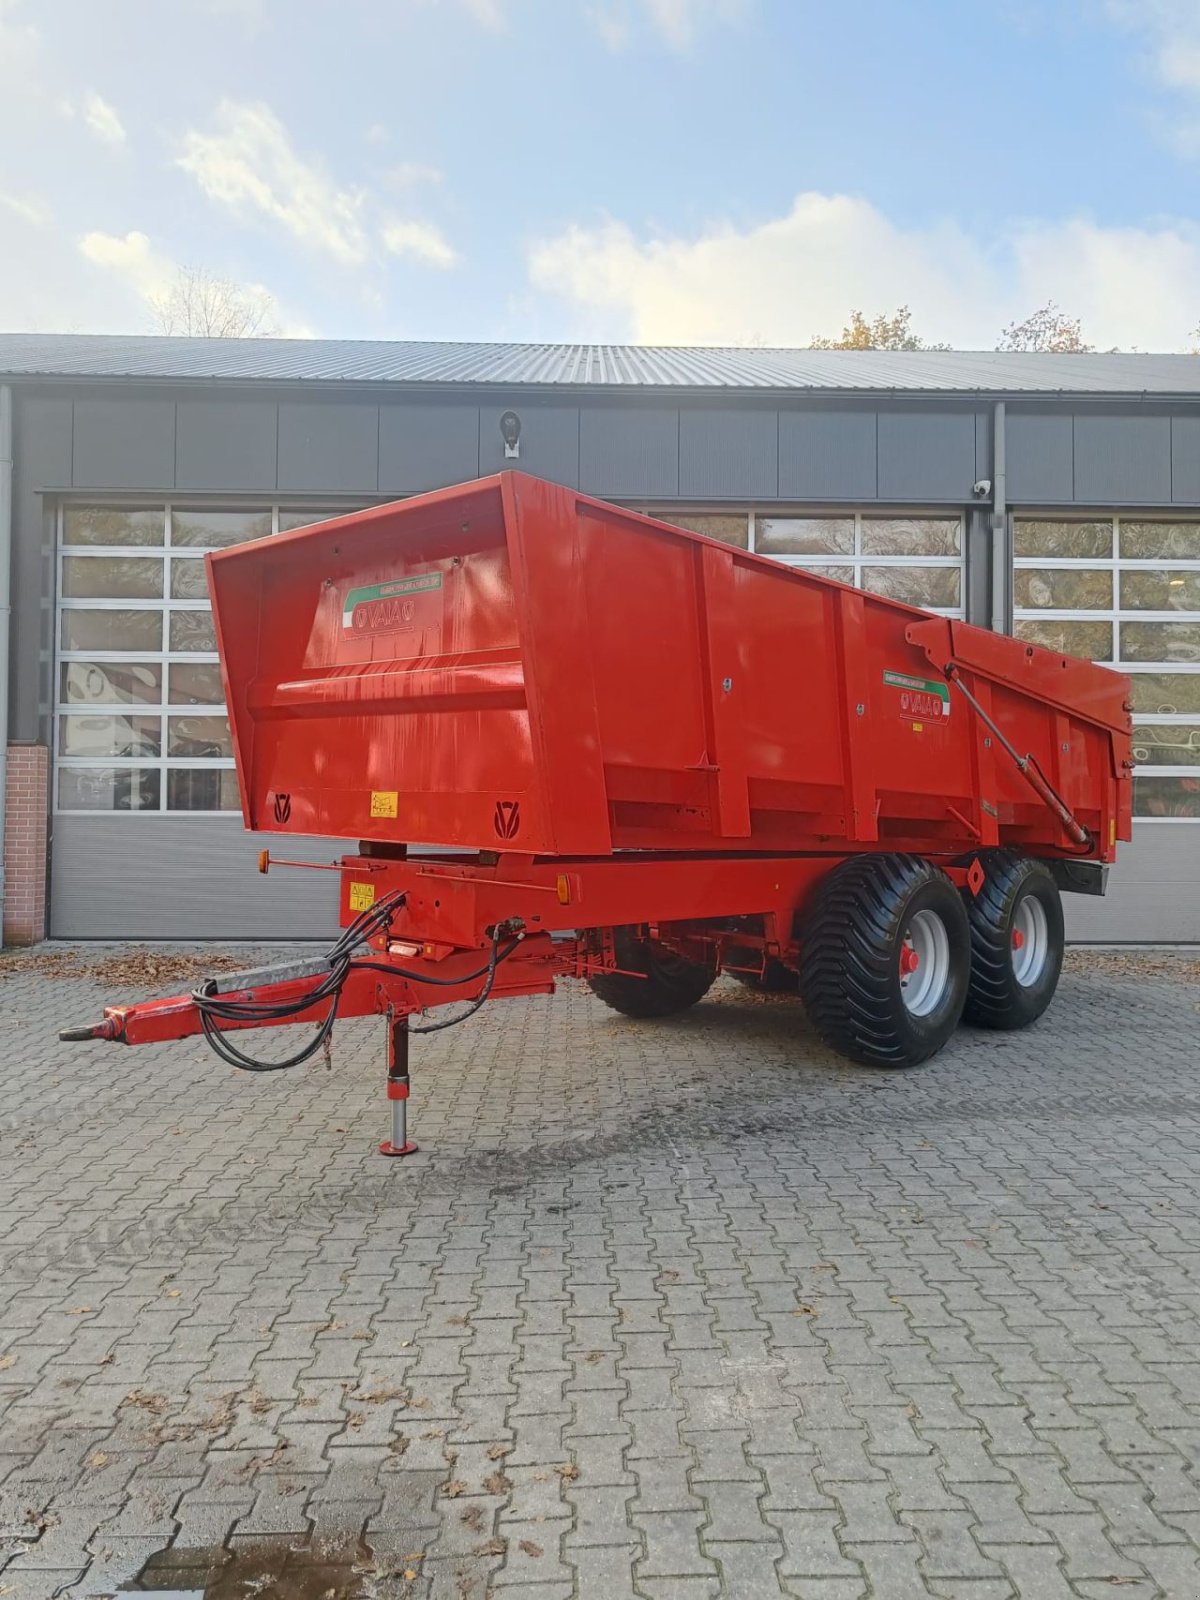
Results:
<point x="591" y="366"/>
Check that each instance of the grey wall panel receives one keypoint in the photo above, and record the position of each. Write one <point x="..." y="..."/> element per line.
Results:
<point x="427" y="446"/>
<point x="1154" y="891"/>
<point x="983" y="444"/>
<point x="629" y="451"/>
<point x="1040" y="458"/>
<point x="121" y="443"/>
<point x="223" y="444"/>
<point x="1185" y="460"/>
<point x="41" y="461"/>
<point x="728" y="454"/>
<point x="827" y="455"/>
<point x="328" y="447"/>
<point x="180" y="877"/>
<point x="1122" y="460"/>
<point x="549" y="441"/>
<point x="926" y="455"/>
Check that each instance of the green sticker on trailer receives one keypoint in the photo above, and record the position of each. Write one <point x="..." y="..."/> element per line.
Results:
<point x="921" y="699"/>
<point x="386" y="605"/>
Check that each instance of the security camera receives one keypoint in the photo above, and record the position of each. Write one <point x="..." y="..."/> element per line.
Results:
<point x="981" y="488"/>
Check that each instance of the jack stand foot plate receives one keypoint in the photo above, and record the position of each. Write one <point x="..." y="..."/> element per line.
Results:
<point x="387" y="1148"/>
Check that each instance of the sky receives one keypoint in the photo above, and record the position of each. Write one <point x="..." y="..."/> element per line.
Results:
<point x="663" y="171"/>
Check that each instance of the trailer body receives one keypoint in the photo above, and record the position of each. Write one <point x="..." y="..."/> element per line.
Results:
<point x="645" y="758"/>
<point x="512" y="665"/>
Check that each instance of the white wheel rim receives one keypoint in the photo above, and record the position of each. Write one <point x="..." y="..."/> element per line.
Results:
<point x="1030" y="941"/>
<point x="924" y="964"/>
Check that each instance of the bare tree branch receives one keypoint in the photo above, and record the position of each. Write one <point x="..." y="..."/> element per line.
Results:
<point x="199" y="305"/>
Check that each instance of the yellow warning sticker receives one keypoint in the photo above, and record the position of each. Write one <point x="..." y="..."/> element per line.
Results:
<point x="384" y="802"/>
<point x="362" y="896"/>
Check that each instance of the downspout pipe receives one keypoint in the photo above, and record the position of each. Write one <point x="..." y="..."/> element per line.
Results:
<point x="6" y="524"/>
<point x="1001" y="554"/>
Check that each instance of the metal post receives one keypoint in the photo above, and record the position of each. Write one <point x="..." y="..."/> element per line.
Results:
<point x="6" y="528"/>
<point x="397" y="1089"/>
<point x="1001" y="544"/>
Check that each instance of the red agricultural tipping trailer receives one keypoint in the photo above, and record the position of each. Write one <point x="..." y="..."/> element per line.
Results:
<point x="647" y="758"/>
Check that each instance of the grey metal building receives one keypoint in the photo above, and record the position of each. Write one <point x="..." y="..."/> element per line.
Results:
<point x="1056" y="496"/>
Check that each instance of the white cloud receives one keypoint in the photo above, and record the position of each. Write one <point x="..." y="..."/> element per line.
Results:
<point x="677" y="22"/>
<point x="102" y="119"/>
<point x="422" y="240"/>
<point x="405" y="174"/>
<point x="488" y="12"/>
<point x="249" y="165"/>
<point x="133" y="258"/>
<point x="801" y="274"/>
<point x="1171" y="32"/>
<point x="34" y="211"/>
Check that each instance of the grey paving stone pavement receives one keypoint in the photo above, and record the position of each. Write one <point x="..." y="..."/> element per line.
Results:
<point x="673" y="1310"/>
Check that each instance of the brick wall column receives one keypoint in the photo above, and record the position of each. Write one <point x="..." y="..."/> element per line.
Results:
<point x="25" y="829"/>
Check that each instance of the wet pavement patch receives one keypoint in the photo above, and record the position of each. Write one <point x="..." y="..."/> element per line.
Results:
<point x="295" y="1567"/>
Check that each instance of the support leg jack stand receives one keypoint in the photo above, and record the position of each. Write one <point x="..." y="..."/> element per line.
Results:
<point x="397" y="1088"/>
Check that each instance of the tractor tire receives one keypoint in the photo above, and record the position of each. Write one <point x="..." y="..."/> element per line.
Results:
<point x="1017" y="941"/>
<point x="885" y="959"/>
<point x="774" y="979"/>
<point x="671" y="983"/>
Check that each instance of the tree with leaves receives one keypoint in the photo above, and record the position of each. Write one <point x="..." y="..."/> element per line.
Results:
<point x="880" y="333"/>
<point x="1048" y="330"/>
<point x="200" y="305"/>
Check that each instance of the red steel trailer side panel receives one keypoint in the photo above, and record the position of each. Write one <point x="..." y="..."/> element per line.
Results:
<point x="510" y="665"/>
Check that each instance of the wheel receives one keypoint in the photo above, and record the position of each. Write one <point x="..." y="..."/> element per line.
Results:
<point x="1016" y="923"/>
<point x="671" y="982"/>
<point x="885" y="959"/>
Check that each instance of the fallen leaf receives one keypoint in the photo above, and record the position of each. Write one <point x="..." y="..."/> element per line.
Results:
<point x="497" y="1452"/>
<point x="79" y="1311"/>
<point x="803" y="1310"/>
<point x="497" y="1483"/>
<point x="409" y="1574"/>
<point x="456" y="1322"/>
<point x="6" y="1362"/>
<point x="568" y="1473"/>
<point x="453" y="1489"/>
<point x="594" y="1355"/>
<point x="173" y="1294"/>
<point x="473" y="1517"/>
<point x="98" y="1460"/>
<point x="531" y="1549"/>
<point x="494" y="1547"/>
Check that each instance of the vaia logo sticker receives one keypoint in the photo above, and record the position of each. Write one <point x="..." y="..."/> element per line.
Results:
<point x="920" y="699"/>
<point x="507" y="820"/>
<point x="387" y="607"/>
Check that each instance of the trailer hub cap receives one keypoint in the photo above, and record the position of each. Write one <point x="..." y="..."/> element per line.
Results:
<point x="1030" y="941"/>
<point x="924" y="964"/>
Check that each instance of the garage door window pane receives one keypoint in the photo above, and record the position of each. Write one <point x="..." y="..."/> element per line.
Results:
<point x="1064" y="590"/>
<point x="1167" y="744"/>
<point x="114" y="525"/>
<point x="109" y="736"/>
<point x="730" y="530"/>
<point x="195" y="683"/>
<point x="199" y="737"/>
<point x="202" y="789"/>
<point x="804" y="536"/>
<point x="1166" y="797"/>
<point x="111" y="630"/>
<point x="305" y="517"/>
<point x="111" y="683"/>
<point x="1160" y="641"/>
<point x="189" y="578"/>
<point x="1167" y="590"/>
<point x="214" y="529"/>
<point x="192" y="630"/>
<point x="108" y="788"/>
<point x="1166" y="694"/>
<point x="911" y="536"/>
<point x="1156" y="541"/>
<point x="827" y="569"/>
<point x="1078" y="540"/>
<point x="917" y="586"/>
<point x="112" y="577"/>
<point x="1092" y="641"/>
